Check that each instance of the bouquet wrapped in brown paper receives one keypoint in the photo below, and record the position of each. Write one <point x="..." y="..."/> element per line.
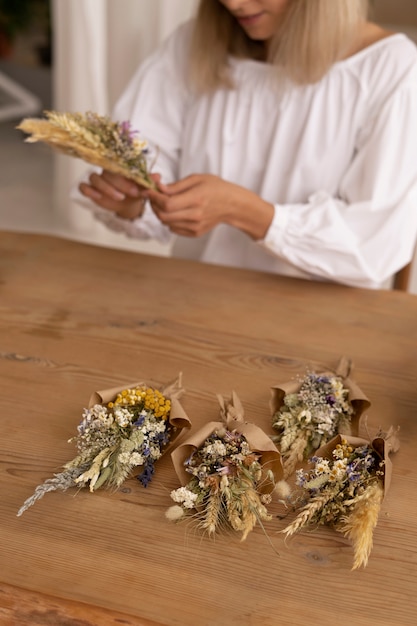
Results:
<point x="344" y="488"/>
<point x="122" y="429"/>
<point x="227" y="470"/>
<point x="96" y="139"/>
<point x="309" y="412"/>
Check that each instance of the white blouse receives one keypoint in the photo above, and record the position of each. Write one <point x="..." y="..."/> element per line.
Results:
<point x="338" y="159"/>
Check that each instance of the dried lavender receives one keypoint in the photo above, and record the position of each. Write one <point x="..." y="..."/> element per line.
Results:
<point x="61" y="482"/>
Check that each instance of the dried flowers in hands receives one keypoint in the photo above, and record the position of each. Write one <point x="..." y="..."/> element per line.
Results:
<point x="228" y="471"/>
<point x="310" y="412"/>
<point x="345" y="488"/>
<point x="97" y="139"/>
<point x="123" y="429"/>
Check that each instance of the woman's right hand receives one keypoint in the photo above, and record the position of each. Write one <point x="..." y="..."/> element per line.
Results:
<point x="116" y="193"/>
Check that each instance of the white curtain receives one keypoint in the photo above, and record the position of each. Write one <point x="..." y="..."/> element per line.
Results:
<point x="98" y="44"/>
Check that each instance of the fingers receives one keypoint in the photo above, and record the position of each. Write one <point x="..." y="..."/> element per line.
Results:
<point x="102" y="194"/>
<point x="181" y="186"/>
<point x="156" y="178"/>
<point x="115" y="186"/>
<point x="167" y="204"/>
<point x="128" y="209"/>
<point x="112" y="186"/>
<point x="184" y="212"/>
<point x="114" y="193"/>
<point x="189" y="229"/>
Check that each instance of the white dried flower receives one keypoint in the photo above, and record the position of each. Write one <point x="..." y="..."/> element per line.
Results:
<point x="184" y="496"/>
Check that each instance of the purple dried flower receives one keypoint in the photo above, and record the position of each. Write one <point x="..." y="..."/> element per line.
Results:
<point x="148" y="470"/>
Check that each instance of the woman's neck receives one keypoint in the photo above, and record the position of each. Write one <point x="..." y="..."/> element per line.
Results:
<point x="368" y="34"/>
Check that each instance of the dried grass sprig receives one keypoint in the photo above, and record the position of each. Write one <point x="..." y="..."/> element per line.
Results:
<point x="60" y="482"/>
<point x="97" y="139"/>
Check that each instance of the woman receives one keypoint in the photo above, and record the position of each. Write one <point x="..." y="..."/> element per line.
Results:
<point x="285" y="133"/>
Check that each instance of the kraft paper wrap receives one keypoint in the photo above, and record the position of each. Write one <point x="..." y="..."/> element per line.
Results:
<point x="232" y="414"/>
<point x="383" y="445"/>
<point x="344" y="369"/>
<point x="178" y="418"/>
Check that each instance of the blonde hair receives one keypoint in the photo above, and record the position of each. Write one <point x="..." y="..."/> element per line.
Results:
<point x="313" y="36"/>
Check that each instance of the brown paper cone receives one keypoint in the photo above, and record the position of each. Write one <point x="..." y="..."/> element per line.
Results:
<point x="357" y="398"/>
<point x="383" y="446"/>
<point x="232" y="419"/>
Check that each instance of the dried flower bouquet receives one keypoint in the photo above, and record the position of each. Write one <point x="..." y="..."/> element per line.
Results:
<point x="96" y="139"/>
<point x="228" y="470"/>
<point x="123" y="429"/>
<point x="309" y="412"/>
<point x="345" y="488"/>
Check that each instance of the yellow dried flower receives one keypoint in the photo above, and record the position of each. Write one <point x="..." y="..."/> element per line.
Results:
<point x="150" y="399"/>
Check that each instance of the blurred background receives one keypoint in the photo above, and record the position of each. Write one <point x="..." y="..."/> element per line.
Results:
<point x="77" y="55"/>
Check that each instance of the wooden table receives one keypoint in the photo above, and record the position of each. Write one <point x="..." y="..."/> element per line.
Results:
<point x="77" y="318"/>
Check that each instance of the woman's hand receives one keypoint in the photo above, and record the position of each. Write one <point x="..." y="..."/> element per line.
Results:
<point x="194" y="205"/>
<point x="116" y="193"/>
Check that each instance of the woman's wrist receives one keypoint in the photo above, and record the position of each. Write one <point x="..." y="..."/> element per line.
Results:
<point x="252" y="215"/>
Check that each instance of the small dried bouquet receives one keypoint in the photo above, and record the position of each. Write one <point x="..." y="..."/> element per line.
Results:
<point x="344" y="488"/>
<point x="97" y="139"/>
<point x="228" y="470"/>
<point x="309" y="412"/>
<point x="123" y="429"/>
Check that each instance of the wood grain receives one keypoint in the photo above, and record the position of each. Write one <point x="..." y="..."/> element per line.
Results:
<point x="76" y="318"/>
<point x="19" y="607"/>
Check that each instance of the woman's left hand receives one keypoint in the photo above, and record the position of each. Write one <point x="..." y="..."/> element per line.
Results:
<point x="196" y="204"/>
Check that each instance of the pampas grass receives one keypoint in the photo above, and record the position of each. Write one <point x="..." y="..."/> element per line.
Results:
<point x="359" y="525"/>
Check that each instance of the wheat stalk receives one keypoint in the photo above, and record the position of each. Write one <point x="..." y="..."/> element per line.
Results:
<point x="307" y="513"/>
<point x="295" y="455"/>
<point x="211" y="512"/>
